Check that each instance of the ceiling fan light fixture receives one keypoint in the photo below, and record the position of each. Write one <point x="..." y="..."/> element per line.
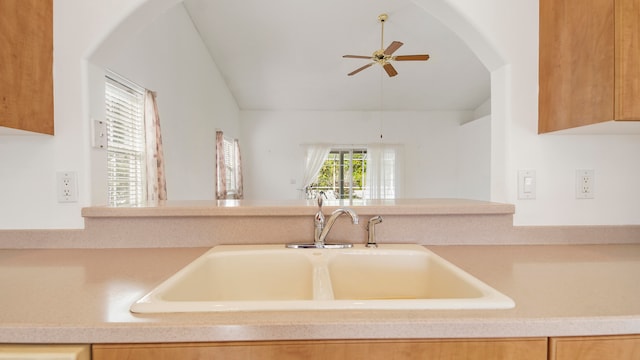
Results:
<point x="383" y="56"/>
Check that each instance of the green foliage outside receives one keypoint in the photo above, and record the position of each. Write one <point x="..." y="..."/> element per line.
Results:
<point x="354" y="170"/>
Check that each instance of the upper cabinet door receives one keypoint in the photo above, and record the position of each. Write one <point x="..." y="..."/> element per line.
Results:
<point x="588" y="64"/>
<point x="627" y="95"/>
<point x="26" y="65"/>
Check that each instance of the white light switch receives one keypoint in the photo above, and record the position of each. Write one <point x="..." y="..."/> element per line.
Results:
<point x="526" y="184"/>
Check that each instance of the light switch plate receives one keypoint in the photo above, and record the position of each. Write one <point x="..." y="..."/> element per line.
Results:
<point x="526" y="184"/>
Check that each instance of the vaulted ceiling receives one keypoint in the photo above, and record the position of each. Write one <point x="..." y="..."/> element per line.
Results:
<point x="287" y="55"/>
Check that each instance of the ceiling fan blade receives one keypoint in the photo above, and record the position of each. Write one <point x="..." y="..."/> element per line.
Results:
<point x="360" y="69"/>
<point x="391" y="71"/>
<point x="392" y="47"/>
<point x="411" y="57"/>
<point x="356" y="57"/>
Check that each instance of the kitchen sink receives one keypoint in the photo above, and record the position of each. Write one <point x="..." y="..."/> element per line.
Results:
<point x="398" y="275"/>
<point x="272" y="277"/>
<point x="244" y="276"/>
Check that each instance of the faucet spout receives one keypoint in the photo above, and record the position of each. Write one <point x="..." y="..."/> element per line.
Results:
<point x="321" y="235"/>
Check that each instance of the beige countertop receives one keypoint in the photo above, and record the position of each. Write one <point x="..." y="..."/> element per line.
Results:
<point x="300" y="207"/>
<point x="83" y="296"/>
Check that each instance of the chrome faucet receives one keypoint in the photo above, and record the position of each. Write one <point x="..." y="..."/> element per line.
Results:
<point x="318" y="222"/>
<point x="322" y="229"/>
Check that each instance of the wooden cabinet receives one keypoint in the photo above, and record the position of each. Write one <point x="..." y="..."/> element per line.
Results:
<point x="588" y="62"/>
<point x="595" y="348"/>
<point x="470" y="349"/>
<point x="44" y="351"/>
<point x="26" y="65"/>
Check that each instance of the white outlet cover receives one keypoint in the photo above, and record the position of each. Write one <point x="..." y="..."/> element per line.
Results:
<point x="585" y="184"/>
<point x="67" y="186"/>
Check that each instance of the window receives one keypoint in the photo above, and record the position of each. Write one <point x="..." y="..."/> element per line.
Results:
<point x="342" y="176"/>
<point x="230" y="166"/>
<point x="125" y="141"/>
<point x="371" y="172"/>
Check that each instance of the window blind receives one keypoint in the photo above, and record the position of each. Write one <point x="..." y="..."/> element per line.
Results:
<point x="125" y="141"/>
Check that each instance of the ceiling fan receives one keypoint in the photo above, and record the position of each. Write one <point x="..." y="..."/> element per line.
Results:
<point x="385" y="56"/>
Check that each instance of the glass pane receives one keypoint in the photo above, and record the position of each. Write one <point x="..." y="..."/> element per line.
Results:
<point x="342" y="176"/>
<point x="125" y="142"/>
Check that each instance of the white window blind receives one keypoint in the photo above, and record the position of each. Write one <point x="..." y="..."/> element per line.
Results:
<point x="125" y="141"/>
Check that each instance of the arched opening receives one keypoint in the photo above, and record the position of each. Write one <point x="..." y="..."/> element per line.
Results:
<point x="443" y="10"/>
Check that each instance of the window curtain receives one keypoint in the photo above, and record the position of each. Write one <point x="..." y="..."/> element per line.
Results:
<point x="238" y="170"/>
<point x="156" y="181"/>
<point x="221" y="169"/>
<point x="228" y="162"/>
<point x="316" y="154"/>
<point x="385" y="169"/>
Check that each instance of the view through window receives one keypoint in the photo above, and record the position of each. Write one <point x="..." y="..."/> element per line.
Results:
<point x="342" y="176"/>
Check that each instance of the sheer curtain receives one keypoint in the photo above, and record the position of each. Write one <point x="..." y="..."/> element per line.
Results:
<point x="221" y="169"/>
<point x="238" y="170"/>
<point x="316" y="154"/>
<point x="385" y="169"/>
<point x="228" y="168"/>
<point x="156" y="181"/>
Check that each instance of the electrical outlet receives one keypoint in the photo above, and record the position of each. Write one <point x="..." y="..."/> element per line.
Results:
<point x="67" y="186"/>
<point x="585" y="180"/>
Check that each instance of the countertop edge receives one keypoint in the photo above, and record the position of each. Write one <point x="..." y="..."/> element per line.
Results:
<point x="460" y="328"/>
<point x="301" y="208"/>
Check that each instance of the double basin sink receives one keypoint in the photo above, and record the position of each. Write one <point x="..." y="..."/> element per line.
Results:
<point x="272" y="277"/>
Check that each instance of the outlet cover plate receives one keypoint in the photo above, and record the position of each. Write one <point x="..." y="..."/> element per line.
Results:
<point x="67" y="186"/>
<point x="585" y="181"/>
<point x="99" y="140"/>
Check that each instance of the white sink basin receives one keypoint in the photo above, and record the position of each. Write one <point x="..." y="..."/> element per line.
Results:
<point x="271" y="277"/>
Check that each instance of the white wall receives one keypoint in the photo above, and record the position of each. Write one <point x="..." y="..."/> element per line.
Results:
<point x="508" y="28"/>
<point x="273" y="152"/>
<point x="512" y="28"/>
<point x="474" y="159"/>
<point x="28" y="163"/>
<point x="168" y="57"/>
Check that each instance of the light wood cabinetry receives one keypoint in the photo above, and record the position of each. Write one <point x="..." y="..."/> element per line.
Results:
<point x="588" y="62"/>
<point x="26" y="65"/>
<point x="470" y="349"/>
<point x="44" y="351"/>
<point x="595" y="348"/>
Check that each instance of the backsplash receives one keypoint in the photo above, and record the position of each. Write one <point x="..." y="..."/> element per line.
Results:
<point x="432" y="222"/>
